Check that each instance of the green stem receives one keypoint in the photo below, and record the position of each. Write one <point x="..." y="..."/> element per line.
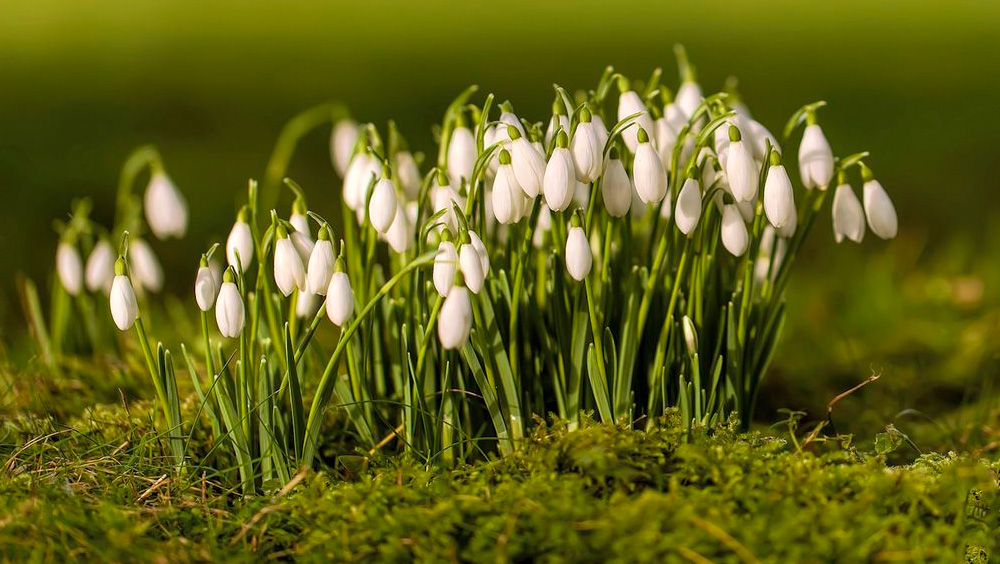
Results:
<point x="161" y="394"/>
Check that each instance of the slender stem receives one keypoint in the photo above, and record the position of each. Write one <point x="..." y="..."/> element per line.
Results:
<point x="209" y="363"/>
<point x="161" y="393"/>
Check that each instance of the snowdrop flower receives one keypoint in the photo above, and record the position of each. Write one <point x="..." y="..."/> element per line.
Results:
<point x="741" y="169"/>
<point x="230" y="314"/>
<point x="528" y="163"/>
<point x="444" y="197"/>
<point x="69" y="266"/>
<point x="299" y="219"/>
<point x="339" y="296"/>
<point x="461" y="153"/>
<point x="320" y="265"/>
<point x="761" y="135"/>
<point x="587" y="149"/>
<point x="445" y="266"/>
<point x="689" y="96"/>
<point x="240" y="242"/>
<point x="472" y="267"/>
<point x="734" y="232"/>
<point x="359" y="175"/>
<point x="124" y="307"/>
<point x="148" y="272"/>
<point x="779" y="201"/>
<point x="455" y="318"/>
<point x="668" y="129"/>
<point x="815" y="157"/>
<point x="600" y="132"/>
<point x="307" y="304"/>
<point x="342" y="141"/>
<point x="484" y="257"/>
<point x="848" y="215"/>
<point x="508" y="198"/>
<point x="288" y="270"/>
<point x="558" y="120"/>
<point x="559" y="181"/>
<point x="688" y="210"/>
<point x="616" y="188"/>
<point x="629" y="102"/>
<point x="508" y="117"/>
<point x="786" y="231"/>
<point x="205" y="287"/>
<point x="579" y="256"/>
<point x="409" y="174"/>
<point x="166" y="210"/>
<point x="647" y="171"/>
<point x="303" y="245"/>
<point x="878" y="207"/>
<point x="690" y="335"/>
<point x="382" y="206"/>
<point x="400" y="233"/>
<point x="100" y="270"/>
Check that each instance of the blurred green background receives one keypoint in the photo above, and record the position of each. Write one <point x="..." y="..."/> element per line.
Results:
<point x="212" y="82"/>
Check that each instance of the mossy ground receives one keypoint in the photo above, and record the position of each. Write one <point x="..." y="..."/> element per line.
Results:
<point x="94" y="486"/>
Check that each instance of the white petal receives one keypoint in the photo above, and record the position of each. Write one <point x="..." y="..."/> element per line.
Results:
<point x="124" y="307"/>
<point x="880" y="211"/>
<point x="445" y="266"/>
<point x="848" y="215"/>
<point x="688" y="206"/>
<point x="455" y="319"/>
<point x="579" y="257"/>
<point x="616" y="189"/>
<point x="779" y="201"/>
<point x="734" y="231"/>
<point x="339" y="299"/>
<point x="69" y="266"/>
<point x="648" y="174"/>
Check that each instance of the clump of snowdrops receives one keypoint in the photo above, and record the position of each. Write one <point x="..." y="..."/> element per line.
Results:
<point x="625" y="255"/>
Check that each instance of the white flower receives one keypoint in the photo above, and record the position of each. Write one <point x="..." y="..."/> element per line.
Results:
<point x="528" y="163"/>
<point x="288" y="270"/>
<point x="472" y="267"/>
<point x="444" y="197"/>
<point x="409" y="174"/>
<point x="579" y="257"/>
<point x="558" y="120"/>
<point x="230" y="314"/>
<point x="601" y="133"/>
<point x="689" y="97"/>
<point x="445" y="265"/>
<point x="359" y="175"/>
<point x="455" y="319"/>
<point x="382" y="206"/>
<point x="815" y="158"/>
<point x="205" y="288"/>
<point x="785" y="231"/>
<point x="647" y="171"/>
<point x="300" y="222"/>
<point x="303" y="246"/>
<point x="240" y="242"/>
<point x="668" y="128"/>
<point x="587" y="149"/>
<point x="741" y="169"/>
<point x="879" y="209"/>
<point x="779" y="201"/>
<point x="124" y="307"/>
<point x="69" y="266"/>
<point x="559" y="183"/>
<point x="484" y="256"/>
<point x="761" y="135"/>
<point x="145" y="265"/>
<point x="616" y="188"/>
<point x="508" y="199"/>
<point x="307" y="304"/>
<point x="688" y="210"/>
<point x="629" y="102"/>
<point x="848" y="215"/>
<point x="339" y="299"/>
<point x="342" y="141"/>
<point x="734" y="231"/>
<point x="320" y="266"/>
<point x="166" y="210"/>
<point x="400" y="234"/>
<point x="461" y="154"/>
<point x="100" y="268"/>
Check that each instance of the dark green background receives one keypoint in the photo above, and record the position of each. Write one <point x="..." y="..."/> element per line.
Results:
<point x="211" y="83"/>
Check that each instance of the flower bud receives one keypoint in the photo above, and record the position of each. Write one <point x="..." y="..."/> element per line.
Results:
<point x="409" y="174"/>
<point x="145" y="266"/>
<point x="240" y="242"/>
<point x="779" y="201"/>
<point x="879" y="209"/>
<point x="848" y="215"/>
<point x="647" y="171"/>
<point x="689" y="97"/>
<point x="339" y="299"/>
<point x="100" y="270"/>
<point x="288" y="270"/>
<point x="382" y="206"/>
<point x="230" y="314"/>
<point x="688" y="210"/>
<point x="484" y="256"/>
<point x="444" y="197"/>
<point x="204" y="288"/>
<point x="668" y="128"/>
<point x="445" y="265"/>
<point x="455" y="319"/>
<point x="508" y="199"/>
<point x="400" y="234"/>
<point x="299" y="219"/>
<point x="587" y="149"/>
<point x="166" y="210"/>
<point x="320" y="266"/>
<point x="616" y="188"/>
<point x="559" y="182"/>
<point x="629" y="102"/>
<point x="690" y="335"/>
<point x="124" y="307"/>
<point x="461" y="154"/>
<point x="579" y="258"/>
<point x="472" y="268"/>
<point x="815" y="158"/>
<point x="741" y="169"/>
<point x="734" y="232"/>
<point x="69" y="266"/>
<point x="359" y="175"/>
<point x="528" y="163"/>
<point x="342" y="141"/>
<point x="307" y="304"/>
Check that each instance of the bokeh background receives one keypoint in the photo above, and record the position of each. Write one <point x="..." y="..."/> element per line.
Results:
<point x="212" y="82"/>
